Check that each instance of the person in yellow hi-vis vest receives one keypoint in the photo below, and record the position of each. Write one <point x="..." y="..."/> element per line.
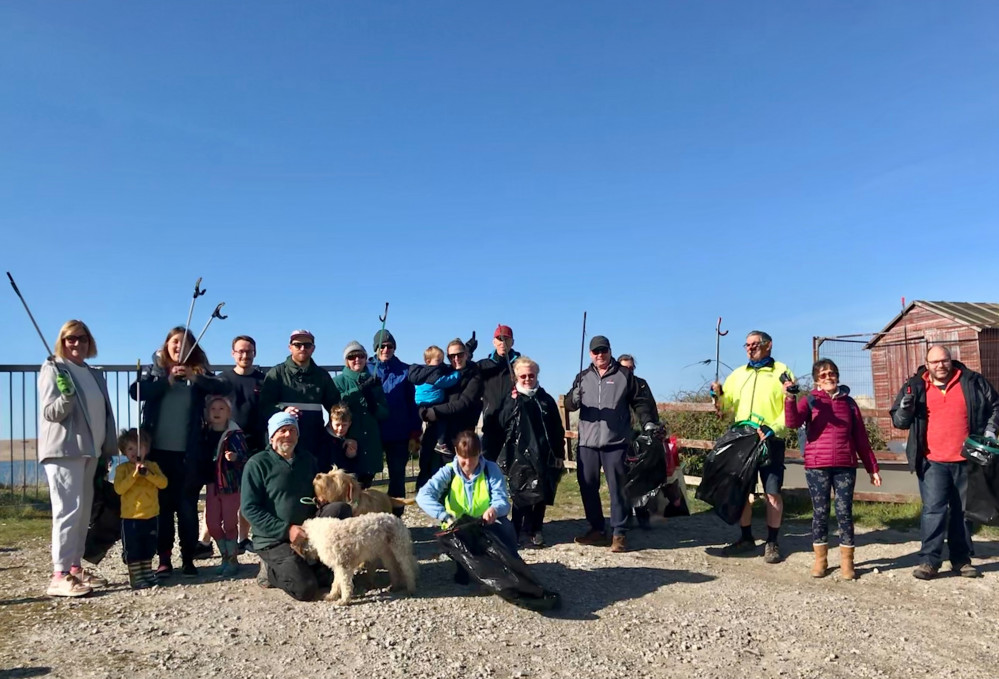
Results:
<point x="472" y="486"/>
<point x="755" y="392"/>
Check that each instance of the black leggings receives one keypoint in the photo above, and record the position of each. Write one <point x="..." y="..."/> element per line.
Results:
<point x="179" y="498"/>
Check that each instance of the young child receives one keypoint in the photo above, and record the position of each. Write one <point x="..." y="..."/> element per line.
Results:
<point x="431" y="381"/>
<point x="138" y="483"/>
<point x="469" y="485"/>
<point x="344" y="449"/>
<point x="223" y="454"/>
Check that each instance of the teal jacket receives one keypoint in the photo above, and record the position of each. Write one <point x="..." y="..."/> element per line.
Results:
<point x="368" y="407"/>
<point x="271" y="495"/>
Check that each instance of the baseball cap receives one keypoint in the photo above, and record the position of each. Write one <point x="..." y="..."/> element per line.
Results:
<point x="599" y="342"/>
<point x="503" y="331"/>
<point x="297" y="334"/>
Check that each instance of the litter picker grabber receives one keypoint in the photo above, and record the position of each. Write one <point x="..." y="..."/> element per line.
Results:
<point x="138" y="408"/>
<point x="905" y="344"/>
<point x="215" y="314"/>
<point x="51" y="357"/>
<point x="198" y="292"/>
<point x="719" y="333"/>
<point x="381" y="338"/>
<point x="582" y="350"/>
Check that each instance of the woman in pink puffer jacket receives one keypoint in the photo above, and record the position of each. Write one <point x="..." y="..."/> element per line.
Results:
<point x="836" y="438"/>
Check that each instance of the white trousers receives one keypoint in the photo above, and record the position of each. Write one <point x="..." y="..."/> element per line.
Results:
<point x="71" y="490"/>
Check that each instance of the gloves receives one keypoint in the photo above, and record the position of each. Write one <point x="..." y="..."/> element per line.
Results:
<point x="471" y="345"/>
<point x="65" y="385"/>
<point x="990" y="434"/>
<point x="572" y="398"/>
<point x="366" y="382"/>
<point x="907" y="402"/>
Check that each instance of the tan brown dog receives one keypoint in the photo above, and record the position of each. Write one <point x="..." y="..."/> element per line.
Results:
<point x="339" y="486"/>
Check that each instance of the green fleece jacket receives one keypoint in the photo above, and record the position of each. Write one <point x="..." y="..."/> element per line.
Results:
<point x="367" y="408"/>
<point x="271" y="495"/>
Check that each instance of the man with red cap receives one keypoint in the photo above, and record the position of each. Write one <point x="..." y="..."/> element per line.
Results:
<point x="302" y="389"/>
<point x="496" y="384"/>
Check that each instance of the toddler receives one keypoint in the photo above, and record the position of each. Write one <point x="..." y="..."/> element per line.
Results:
<point x="223" y="454"/>
<point x="138" y="483"/>
<point x="431" y="381"/>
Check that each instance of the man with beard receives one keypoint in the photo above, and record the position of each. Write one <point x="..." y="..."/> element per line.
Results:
<point x="274" y="482"/>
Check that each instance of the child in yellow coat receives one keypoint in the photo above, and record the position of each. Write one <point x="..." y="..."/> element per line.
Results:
<point x="139" y="484"/>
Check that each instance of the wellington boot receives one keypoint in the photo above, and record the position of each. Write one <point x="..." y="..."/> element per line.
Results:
<point x="821" y="564"/>
<point x="846" y="563"/>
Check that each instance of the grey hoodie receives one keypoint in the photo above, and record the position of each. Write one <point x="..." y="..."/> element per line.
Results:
<point x="604" y="413"/>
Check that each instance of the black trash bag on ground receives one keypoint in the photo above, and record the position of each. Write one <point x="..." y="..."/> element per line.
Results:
<point x="105" y="519"/>
<point x="730" y="471"/>
<point x="489" y="562"/>
<point x="982" y="504"/>
<point x="674" y="496"/>
<point x="646" y="468"/>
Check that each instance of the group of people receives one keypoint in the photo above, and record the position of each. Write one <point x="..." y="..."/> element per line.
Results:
<point x="254" y="441"/>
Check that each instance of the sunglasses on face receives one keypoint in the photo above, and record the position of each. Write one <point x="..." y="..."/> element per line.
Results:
<point x="599" y="350"/>
<point x="387" y="346"/>
<point x="357" y="357"/>
<point x="75" y="339"/>
<point x="526" y="376"/>
<point x="504" y="339"/>
<point x="302" y="345"/>
<point x="827" y="374"/>
<point x="458" y="355"/>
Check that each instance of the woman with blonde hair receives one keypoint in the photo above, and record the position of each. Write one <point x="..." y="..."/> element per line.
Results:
<point x="76" y="427"/>
<point x="173" y="390"/>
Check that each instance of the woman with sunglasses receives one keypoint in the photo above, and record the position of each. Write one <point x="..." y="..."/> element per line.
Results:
<point x="362" y="393"/>
<point x="533" y="452"/>
<point x="835" y="438"/>
<point x="75" y="429"/>
<point x="173" y="389"/>
<point x="459" y="412"/>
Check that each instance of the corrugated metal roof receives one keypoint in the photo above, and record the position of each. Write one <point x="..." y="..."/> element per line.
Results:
<point x="977" y="315"/>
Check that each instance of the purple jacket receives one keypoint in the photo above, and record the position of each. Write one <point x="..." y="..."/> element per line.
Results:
<point x="835" y="430"/>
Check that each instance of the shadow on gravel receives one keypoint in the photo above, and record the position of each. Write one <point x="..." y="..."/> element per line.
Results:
<point x="23" y="600"/>
<point x="25" y="672"/>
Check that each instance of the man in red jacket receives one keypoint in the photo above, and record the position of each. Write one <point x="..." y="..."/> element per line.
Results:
<point x="941" y="405"/>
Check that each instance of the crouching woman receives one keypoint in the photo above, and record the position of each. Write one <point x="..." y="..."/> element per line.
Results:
<point x="471" y="486"/>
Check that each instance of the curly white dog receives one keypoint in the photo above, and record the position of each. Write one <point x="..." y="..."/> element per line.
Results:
<point x="344" y="544"/>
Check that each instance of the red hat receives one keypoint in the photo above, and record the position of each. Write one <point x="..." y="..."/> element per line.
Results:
<point x="503" y="331"/>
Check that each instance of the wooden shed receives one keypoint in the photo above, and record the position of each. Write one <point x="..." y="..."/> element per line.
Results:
<point x="969" y="329"/>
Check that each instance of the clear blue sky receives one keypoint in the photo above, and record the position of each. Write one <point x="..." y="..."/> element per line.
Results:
<point x="792" y="166"/>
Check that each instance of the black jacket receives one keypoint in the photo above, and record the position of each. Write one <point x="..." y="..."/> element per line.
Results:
<point x="464" y="402"/>
<point x="245" y="397"/>
<point x="496" y="387"/>
<point x="533" y="447"/>
<point x="983" y="411"/>
<point x="154" y="382"/>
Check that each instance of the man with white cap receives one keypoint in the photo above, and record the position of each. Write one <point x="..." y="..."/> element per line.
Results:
<point x="302" y="389"/>
<point x="274" y="482"/>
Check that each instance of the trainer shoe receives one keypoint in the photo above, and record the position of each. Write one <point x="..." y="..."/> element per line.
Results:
<point x="925" y="571"/>
<point x="203" y="550"/>
<point x="67" y="585"/>
<point x="262" y="579"/>
<point x="740" y="546"/>
<point x="771" y="553"/>
<point x="966" y="570"/>
<point x="246" y="545"/>
<point x="593" y="538"/>
<point x="189" y="570"/>
<point x="89" y="579"/>
<point x="619" y="543"/>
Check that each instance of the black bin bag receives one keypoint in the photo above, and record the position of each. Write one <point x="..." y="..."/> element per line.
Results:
<point x="730" y="471"/>
<point x="489" y="562"/>
<point x="982" y="504"/>
<point x="646" y="467"/>
<point x="105" y="519"/>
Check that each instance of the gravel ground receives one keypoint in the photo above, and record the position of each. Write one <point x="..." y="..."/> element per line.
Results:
<point x="672" y="607"/>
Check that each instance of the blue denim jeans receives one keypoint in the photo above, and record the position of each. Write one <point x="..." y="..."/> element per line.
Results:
<point x="944" y="489"/>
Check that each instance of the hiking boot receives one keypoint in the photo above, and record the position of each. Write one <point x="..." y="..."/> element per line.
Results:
<point x="189" y="570"/>
<point x="966" y="570"/>
<point x="619" y="544"/>
<point x="262" y="579"/>
<point x="592" y="538"/>
<point x="740" y="546"/>
<point x="89" y="579"/>
<point x="67" y="585"/>
<point x="537" y="540"/>
<point x="925" y="571"/>
<point x="771" y="553"/>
